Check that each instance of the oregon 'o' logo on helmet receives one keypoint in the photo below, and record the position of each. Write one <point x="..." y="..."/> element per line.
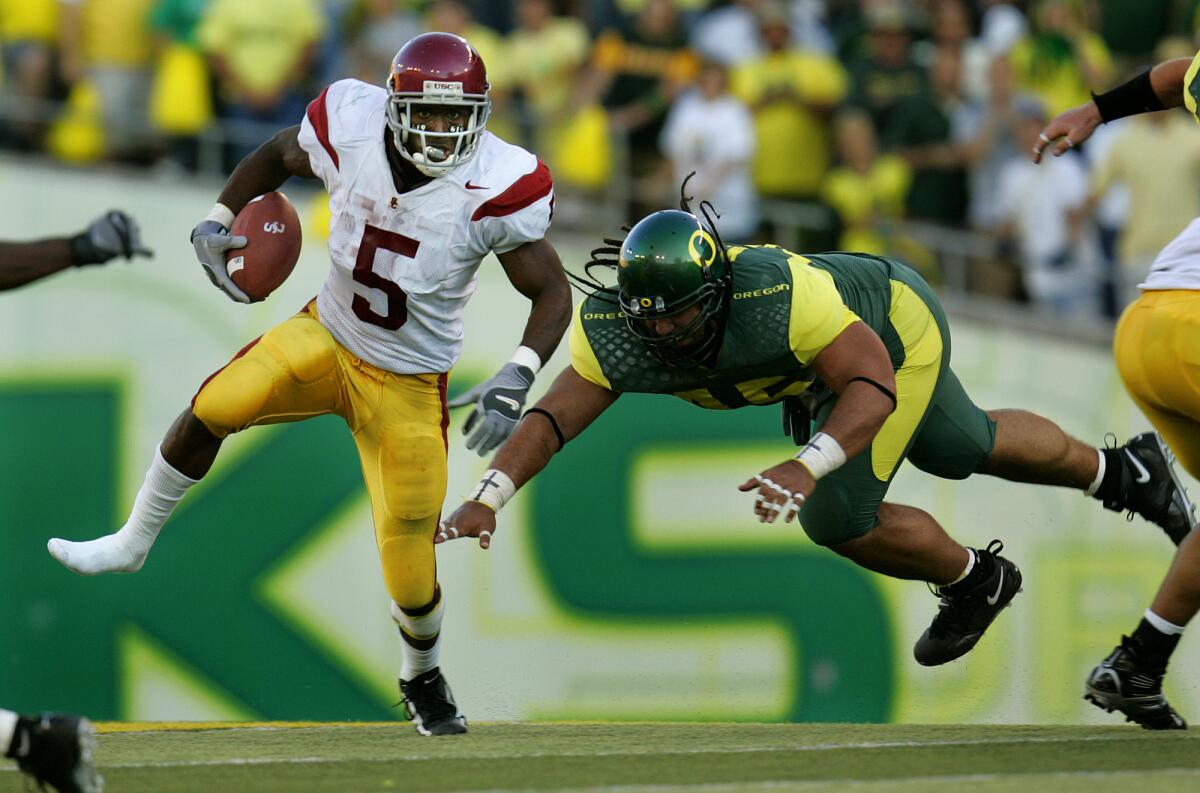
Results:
<point x="702" y="248"/>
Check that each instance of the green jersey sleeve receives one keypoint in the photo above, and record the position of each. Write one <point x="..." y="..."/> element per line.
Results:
<point x="583" y="357"/>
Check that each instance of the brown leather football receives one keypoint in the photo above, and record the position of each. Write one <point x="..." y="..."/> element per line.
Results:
<point x="272" y="231"/>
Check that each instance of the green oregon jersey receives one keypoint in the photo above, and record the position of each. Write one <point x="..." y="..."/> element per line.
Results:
<point x="784" y="309"/>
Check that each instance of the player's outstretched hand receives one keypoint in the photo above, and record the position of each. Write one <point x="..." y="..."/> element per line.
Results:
<point x="211" y="240"/>
<point x="111" y="235"/>
<point x="497" y="407"/>
<point x="781" y="490"/>
<point x="1067" y="130"/>
<point x="472" y="519"/>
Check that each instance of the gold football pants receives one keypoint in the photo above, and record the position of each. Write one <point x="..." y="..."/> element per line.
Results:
<point x="297" y="370"/>
<point x="1157" y="347"/>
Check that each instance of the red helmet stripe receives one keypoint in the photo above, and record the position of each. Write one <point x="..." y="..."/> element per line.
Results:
<point x="529" y="189"/>
<point x="318" y="116"/>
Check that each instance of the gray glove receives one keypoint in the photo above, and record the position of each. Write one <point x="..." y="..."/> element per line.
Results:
<point x="211" y="240"/>
<point x="112" y="234"/>
<point x="498" y="404"/>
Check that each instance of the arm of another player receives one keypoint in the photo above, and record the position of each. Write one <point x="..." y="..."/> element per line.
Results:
<point x="1157" y="89"/>
<point x="112" y="234"/>
<point x="571" y="404"/>
<point x="536" y="272"/>
<point x="268" y="167"/>
<point x="856" y="366"/>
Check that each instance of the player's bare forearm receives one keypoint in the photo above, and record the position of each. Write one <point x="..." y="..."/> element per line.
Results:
<point x="1072" y="127"/>
<point x="535" y="270"/>
<point x="25" y="262"/>
<point x="268" y="167"/>
<point x="1167" y="80"/>
<point x="572" y="403"/>
<point x="858" y="369"/>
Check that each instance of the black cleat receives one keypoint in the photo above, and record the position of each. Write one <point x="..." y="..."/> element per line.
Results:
<point x="963" y="616"/>
<point x="57" y="750"/>
<point x="430" y="706"/>
<point x="1151" y="487"/>
<point x="1119" y="683"/>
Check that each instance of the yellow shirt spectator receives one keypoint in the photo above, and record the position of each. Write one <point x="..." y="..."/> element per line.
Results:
<point x="1158" y="160"/>
<point x="261" y="42"/>
<point x="543" y="62"/>
<point x="115" y="32"/>
<point x="862" y="199"/>
<point x="28" y="20"/>
<point x="793" y="148"/>
<point x="1049" y="69"/>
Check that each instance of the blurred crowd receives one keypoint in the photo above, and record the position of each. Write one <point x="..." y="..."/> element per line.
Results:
<point x="877" y="116"/>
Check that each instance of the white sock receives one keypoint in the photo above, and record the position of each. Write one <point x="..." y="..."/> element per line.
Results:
<point x="1162" y="626"/>
<point x="1094" y="486"/>
<point x="125" y="551"/>
<point x="424" y="630"/>
<point x="8" y="726"/>
<point x="966" y="570"/>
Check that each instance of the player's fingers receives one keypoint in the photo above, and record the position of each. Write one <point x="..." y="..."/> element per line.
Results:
<point x="470" y="422"/>
<point x="1063" y="146"/>
<point x="485" y="539"/>
<point x="467" y="397"/>
<point x="749" y="484"/>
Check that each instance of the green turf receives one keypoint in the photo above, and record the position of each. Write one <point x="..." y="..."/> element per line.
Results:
<point x="650" y="757"/>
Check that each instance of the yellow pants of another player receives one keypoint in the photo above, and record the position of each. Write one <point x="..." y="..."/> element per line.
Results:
<point x="297" y="370"/>
<point x="1157" y="347"/>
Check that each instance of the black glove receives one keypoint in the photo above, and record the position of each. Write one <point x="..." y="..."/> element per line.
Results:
<point x="112" y="234"/>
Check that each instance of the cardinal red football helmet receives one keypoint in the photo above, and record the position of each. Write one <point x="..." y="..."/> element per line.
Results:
<point x="437" y="69"/>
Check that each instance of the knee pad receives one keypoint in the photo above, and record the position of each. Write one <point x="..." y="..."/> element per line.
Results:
<point x="409" y="565"/>
<point x="234" y="397"/>
<point x="412" y="465"/>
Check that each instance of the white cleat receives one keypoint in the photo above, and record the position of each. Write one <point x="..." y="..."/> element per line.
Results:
<point x="109" y="554"/>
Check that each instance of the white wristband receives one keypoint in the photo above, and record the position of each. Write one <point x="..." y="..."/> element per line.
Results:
<point x="494" y="489"/>
<point x="222" y="214"/>
<point x="821" y="455"/>
<point x="524" y="356"/>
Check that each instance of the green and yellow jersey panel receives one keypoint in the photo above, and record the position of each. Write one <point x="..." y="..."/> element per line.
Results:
<point x="1191" y="87"/>
<point x="784" y="309"/>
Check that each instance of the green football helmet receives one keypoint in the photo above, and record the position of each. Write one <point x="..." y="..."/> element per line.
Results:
<point x="668" y="263"/>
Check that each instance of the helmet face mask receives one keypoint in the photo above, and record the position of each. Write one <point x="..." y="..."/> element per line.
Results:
<point x="668" y="264"/>
<point x="437" y="70"/>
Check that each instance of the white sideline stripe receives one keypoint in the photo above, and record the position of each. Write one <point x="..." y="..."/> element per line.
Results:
<point x="236" y="761"/>
<point x="824" y="784"/>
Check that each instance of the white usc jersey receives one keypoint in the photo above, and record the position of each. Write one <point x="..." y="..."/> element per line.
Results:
<point x="1177" y="266"/>
<point x="404" y="264"/>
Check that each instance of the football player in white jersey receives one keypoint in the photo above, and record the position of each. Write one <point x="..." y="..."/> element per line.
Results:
<point x="56" y="748"/>
<point x="419" y="192"/>
<point x="1157" y="348"/>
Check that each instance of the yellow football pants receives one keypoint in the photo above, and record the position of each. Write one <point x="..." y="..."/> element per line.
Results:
<point x="1157" y="347"/>
<point x="297" y="370"/>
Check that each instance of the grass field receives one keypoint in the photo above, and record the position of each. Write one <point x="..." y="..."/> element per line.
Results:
<point x="295" y="758"/>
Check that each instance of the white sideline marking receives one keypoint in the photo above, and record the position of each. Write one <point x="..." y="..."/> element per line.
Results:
<point x="867" y="783"/>
<point x="236" y="761"/>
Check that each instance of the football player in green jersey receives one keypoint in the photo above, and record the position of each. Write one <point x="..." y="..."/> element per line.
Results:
<point x="757" y="325"/>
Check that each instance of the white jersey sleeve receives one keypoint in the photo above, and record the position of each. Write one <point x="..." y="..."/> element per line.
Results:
<point x="333" y="125"/>
<point x="521" y="213"/>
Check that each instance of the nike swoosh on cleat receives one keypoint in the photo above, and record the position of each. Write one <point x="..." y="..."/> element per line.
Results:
<point x="992" y="599"/>
<point x="1143" y="474"/>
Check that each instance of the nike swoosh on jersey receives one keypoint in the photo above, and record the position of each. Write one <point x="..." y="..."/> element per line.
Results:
<point x="470" y="186"/>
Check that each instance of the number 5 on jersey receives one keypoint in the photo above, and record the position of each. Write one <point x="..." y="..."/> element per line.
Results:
<point x="364" y="273"/>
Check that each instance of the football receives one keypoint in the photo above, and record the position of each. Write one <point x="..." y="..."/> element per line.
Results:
<point x="272" y="231"/>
